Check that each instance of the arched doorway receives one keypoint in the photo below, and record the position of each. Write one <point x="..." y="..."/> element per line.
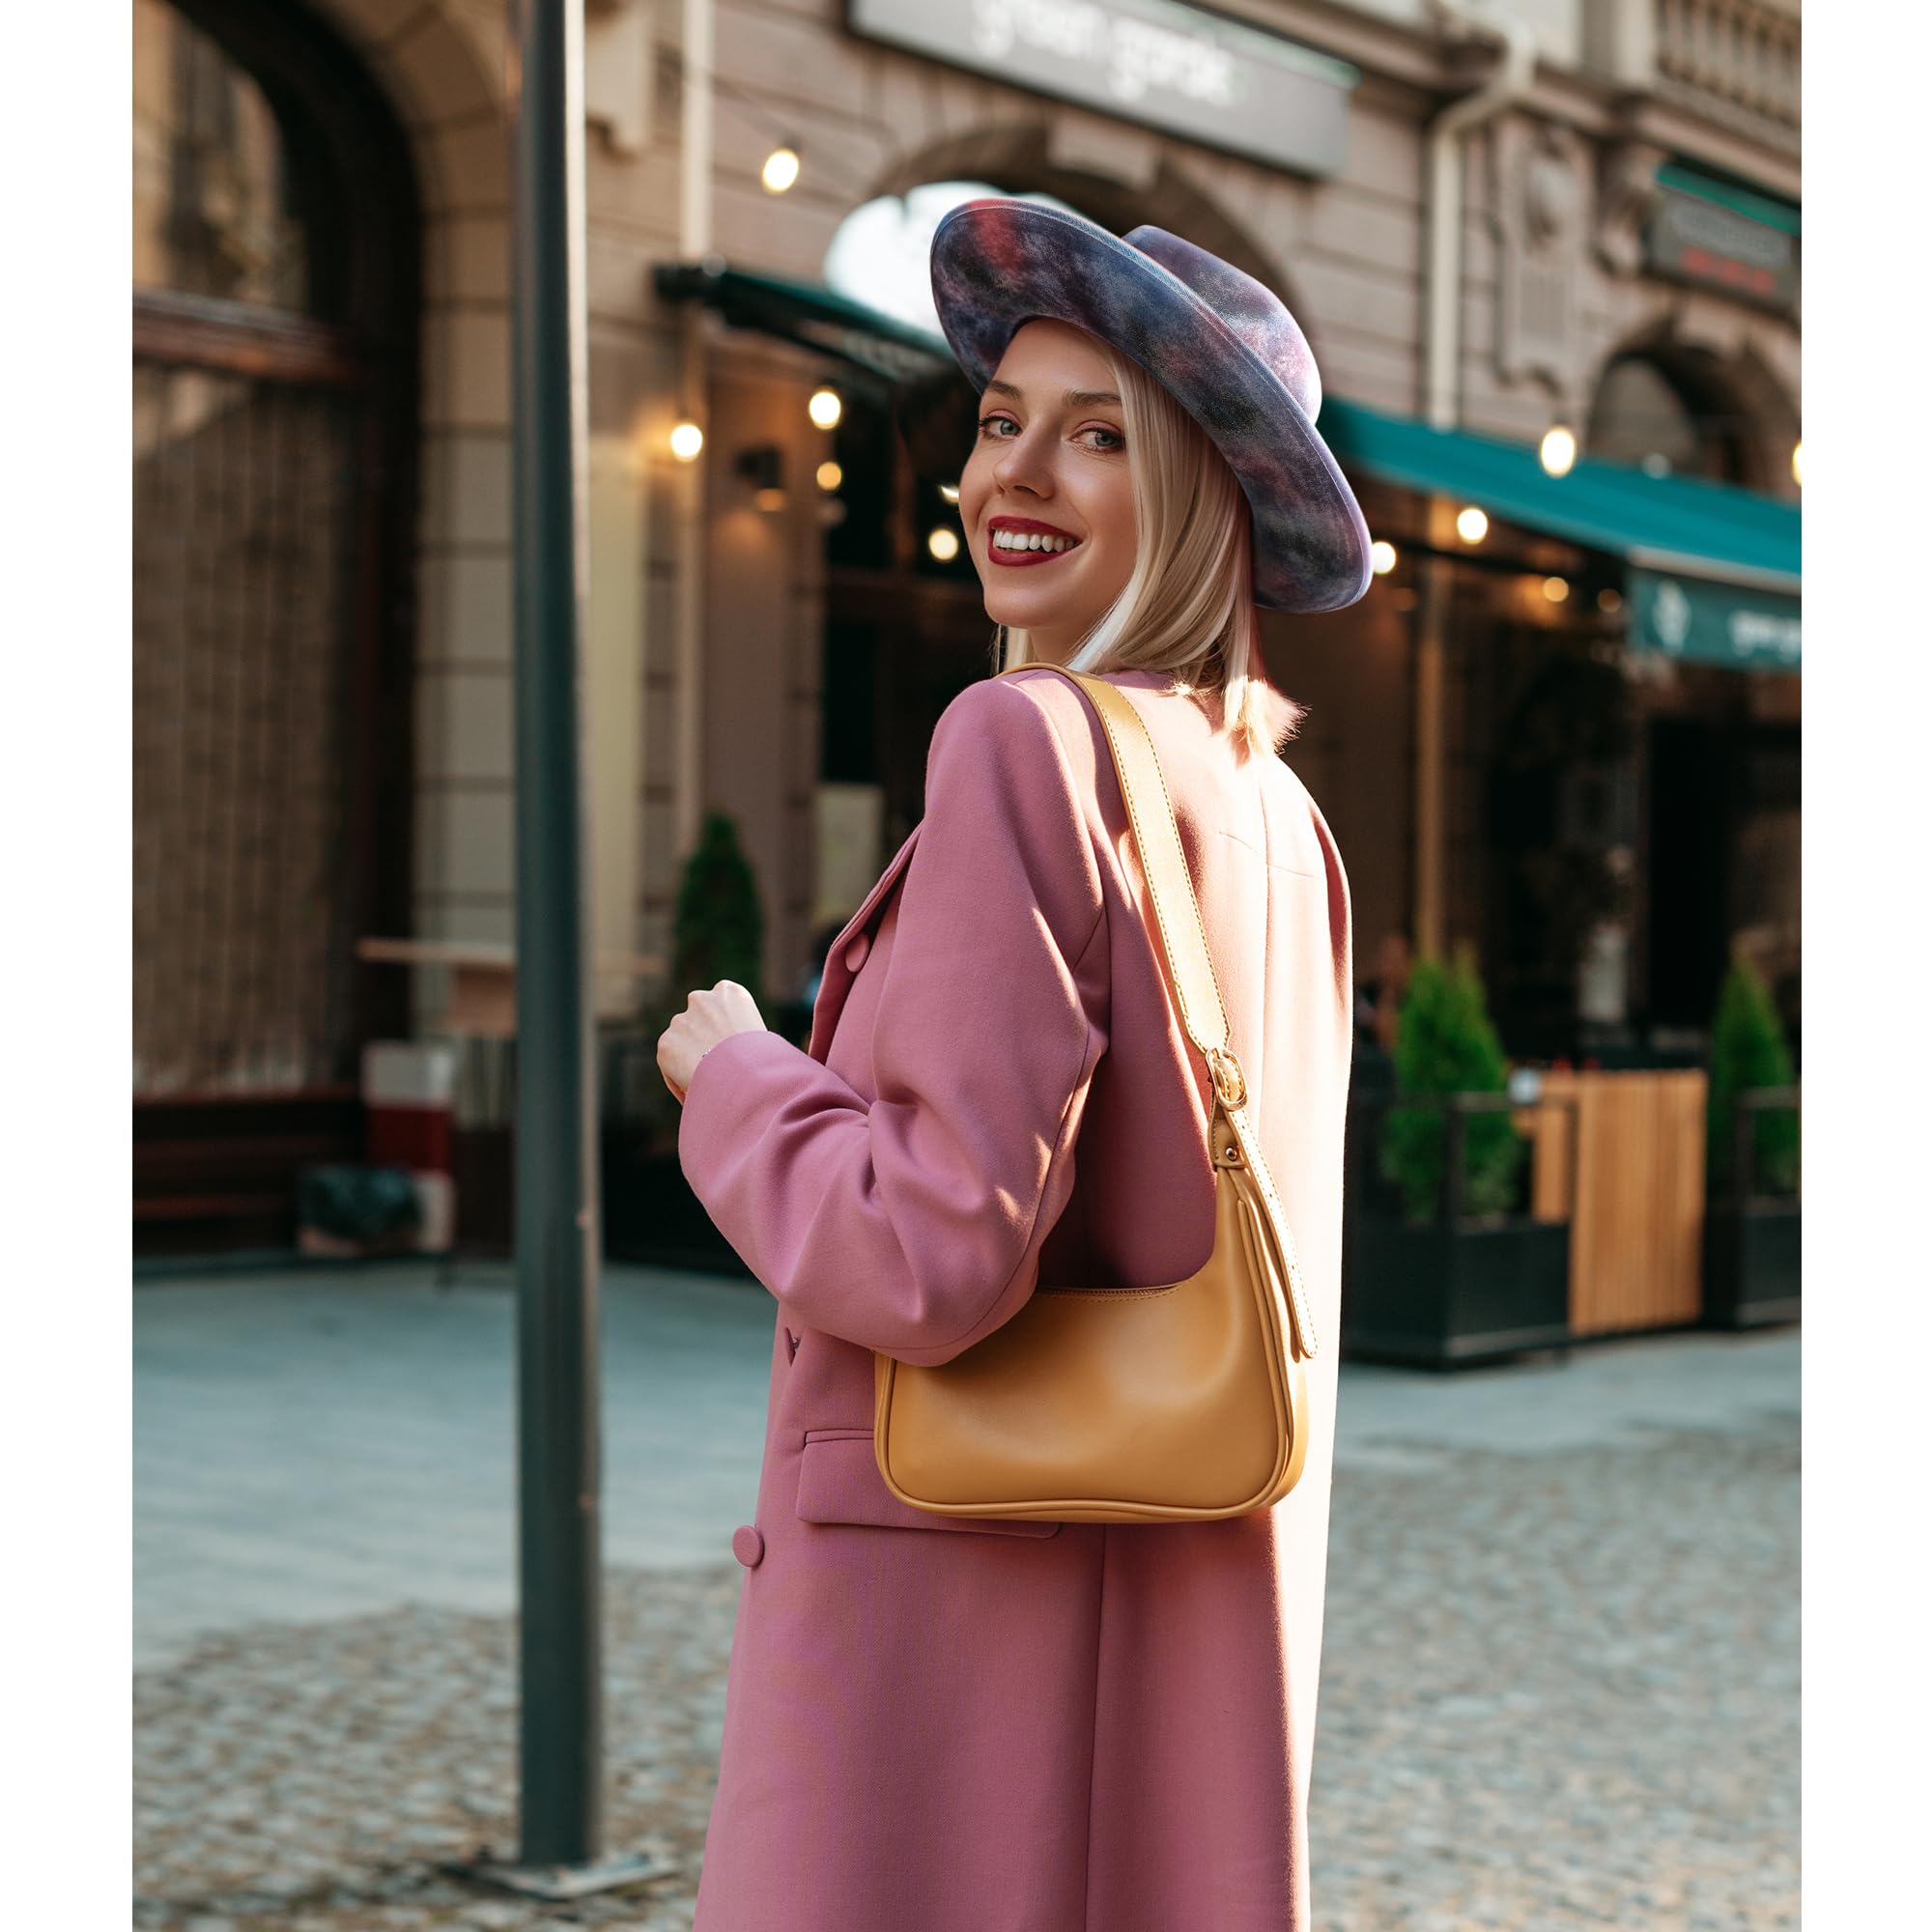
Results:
<point x="275" y="307"/>
<point x="1671" y="414"/>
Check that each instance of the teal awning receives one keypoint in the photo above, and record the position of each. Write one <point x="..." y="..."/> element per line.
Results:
<point x="1676" y="524"/>
<point x="808" y="314"/>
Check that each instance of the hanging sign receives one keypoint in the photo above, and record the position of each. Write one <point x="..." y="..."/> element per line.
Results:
<point x="1703" y="622"/>
<point x="1723" y="240"/>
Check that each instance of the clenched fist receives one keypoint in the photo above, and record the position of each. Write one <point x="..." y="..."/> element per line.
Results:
<point x="706" y="1020"/>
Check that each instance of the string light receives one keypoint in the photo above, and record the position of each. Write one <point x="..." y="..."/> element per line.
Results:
<point x="825" y="408"/>
<point x="1797" y="463"/>
<point x="1381" y="557"/>
<point x="942" y="542"/>
<point x="1557" y="451"/>
<point x="830" y="476"/>
<point x="950" y="492"/>
<point x="686" y="440"/>
<point x="1471" y="524"/>
<point x="780" y="169"/>
<point x="1556" y="588"/>
<point x="754" y="108"/>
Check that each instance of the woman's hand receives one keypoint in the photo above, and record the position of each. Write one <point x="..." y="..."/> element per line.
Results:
<point x="706" y="1020"/>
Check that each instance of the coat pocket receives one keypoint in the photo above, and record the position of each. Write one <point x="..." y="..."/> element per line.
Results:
<point x="838" y="1481"/>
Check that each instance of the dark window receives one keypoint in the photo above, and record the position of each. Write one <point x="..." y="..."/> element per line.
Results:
<point x="850" y="742"/>
<point x="863" y="447"/>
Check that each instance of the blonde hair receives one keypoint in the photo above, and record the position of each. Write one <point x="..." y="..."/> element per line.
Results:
<point x="1188" y="606"/>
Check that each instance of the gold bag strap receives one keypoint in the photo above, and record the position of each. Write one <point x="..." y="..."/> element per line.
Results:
<point x="1184" y="942"/>
<point x="1177" y="912"/>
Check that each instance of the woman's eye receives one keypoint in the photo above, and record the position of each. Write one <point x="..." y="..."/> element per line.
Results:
<point x="1119" y="442"/>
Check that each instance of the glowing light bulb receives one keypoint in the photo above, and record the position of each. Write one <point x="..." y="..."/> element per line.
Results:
<point x="830" y="476"/>
<point x="942" y="542"/>
<point x="1797" y="463"/>
<point x="825" y="408"/>
<point x="950" y="492"/>
<point x="780" y="169"/>
<point x="1557" y="451"/>
<point x="1471" y="524"/>
<point x="686" y="440"/>
<point x="1381" y="557"/>
<point x="1556" y="588"/>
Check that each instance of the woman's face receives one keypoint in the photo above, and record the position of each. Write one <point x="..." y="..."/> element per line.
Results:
<point x="1050" y="457"/>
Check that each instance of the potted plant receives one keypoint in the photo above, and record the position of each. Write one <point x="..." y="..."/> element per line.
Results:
<point x="1445" y="1266"/>
<point x="650" y="1213"/>
<point x="1752" y="1221"/>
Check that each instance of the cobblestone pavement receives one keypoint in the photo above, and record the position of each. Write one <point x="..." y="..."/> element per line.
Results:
<point x="1559" y="1689"/>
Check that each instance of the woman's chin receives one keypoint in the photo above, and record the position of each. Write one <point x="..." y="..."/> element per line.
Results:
<point x="1026" y="613"/>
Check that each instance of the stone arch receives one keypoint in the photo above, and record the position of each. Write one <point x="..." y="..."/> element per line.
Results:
<point x="1777" y="421"/>
<point x="1727" y="381"/>
<point x="275" y="460"/>
<point x="1018" y="158"/>
<point x="442" y="68"/>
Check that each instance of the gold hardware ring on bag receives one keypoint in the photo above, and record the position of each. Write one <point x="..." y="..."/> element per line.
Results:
<point x="1168" y="1403"/>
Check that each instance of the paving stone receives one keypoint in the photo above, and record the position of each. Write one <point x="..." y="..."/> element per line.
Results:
<point x="1560" y="1673"/>
<point x="1511" y="1771"/>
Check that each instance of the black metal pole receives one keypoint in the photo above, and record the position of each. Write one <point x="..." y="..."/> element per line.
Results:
<point x="559" y="1477"/>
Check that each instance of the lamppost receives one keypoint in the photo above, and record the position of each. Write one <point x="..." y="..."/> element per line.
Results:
<point x="559" y="1476"/>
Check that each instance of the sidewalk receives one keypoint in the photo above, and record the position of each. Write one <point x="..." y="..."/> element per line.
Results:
<point x="1582" y="1574"/>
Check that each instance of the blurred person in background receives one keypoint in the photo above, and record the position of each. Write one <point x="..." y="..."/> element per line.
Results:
<point x="1379" y="999"/>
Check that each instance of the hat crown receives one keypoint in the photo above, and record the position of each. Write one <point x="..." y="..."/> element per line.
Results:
<point x="1250" y="308"/>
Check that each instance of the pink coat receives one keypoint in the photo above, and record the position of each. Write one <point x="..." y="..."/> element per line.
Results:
<point x="940" y="1724"/>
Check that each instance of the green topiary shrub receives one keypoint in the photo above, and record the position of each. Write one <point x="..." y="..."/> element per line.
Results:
<point x="1445" y="1045"/>
<point x="1748" y="1049"/>
<point x="717" y="933"/>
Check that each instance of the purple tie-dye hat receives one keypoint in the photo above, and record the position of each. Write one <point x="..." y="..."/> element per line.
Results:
<point x="1221" y="344"/>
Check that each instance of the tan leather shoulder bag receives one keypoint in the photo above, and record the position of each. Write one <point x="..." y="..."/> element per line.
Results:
<point x="1167" y="1404"/>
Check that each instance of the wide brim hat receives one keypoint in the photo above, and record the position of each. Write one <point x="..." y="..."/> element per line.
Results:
<point x="1223" y="346"/>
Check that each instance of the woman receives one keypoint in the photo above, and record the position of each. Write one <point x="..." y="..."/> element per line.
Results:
<point x="939" y="1724"/>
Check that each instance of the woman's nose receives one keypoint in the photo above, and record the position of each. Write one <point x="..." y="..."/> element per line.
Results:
<point x="1023" y="462"/>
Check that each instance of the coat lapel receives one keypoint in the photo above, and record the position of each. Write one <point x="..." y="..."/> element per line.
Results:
<point x="836" y="980"/>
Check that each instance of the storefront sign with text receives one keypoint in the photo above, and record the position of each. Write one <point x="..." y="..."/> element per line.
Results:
<point x="1199" y="75"/>
<point x="1702" y="623"/>
<point x="1692" y="239"/>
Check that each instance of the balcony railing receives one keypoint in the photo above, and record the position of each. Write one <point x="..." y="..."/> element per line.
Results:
<point x="1738" y="59"/>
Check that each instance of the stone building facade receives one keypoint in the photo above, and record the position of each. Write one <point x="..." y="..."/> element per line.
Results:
<point x="706" y="644"/>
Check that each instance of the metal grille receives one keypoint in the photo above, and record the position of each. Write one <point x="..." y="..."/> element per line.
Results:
<point x="243" y="533"/>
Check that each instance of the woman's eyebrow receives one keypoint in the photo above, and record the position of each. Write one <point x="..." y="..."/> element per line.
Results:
<point x="1077" y="399"/>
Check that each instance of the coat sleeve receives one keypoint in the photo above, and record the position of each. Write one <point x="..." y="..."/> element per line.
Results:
<point x="912" y="1225"/>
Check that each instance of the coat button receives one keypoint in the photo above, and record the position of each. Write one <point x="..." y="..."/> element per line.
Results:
<point x="748" y="1544"/>
<point x="855" y="953"/>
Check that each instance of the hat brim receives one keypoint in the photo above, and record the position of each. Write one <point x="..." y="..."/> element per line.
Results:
<point x="996" y="264"/>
